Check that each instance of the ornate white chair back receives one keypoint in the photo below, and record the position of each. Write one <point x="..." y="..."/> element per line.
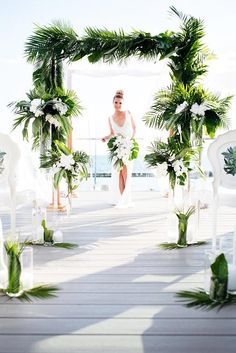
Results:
<point x="224" y="174"/>
<point x="221" y="144"/>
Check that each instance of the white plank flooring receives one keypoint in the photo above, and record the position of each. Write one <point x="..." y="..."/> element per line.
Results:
<point x="117" y="289"/>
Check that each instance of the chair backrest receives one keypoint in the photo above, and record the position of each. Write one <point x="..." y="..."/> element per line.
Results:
<point x="225" y="143"/>
<point x="9" y="156"/>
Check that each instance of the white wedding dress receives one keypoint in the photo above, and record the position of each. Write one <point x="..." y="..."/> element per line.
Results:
<point x="117" y="199"/>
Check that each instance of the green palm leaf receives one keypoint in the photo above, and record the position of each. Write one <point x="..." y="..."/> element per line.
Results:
<point x="172" y="246"/>
<point x="65" y="245"/>
<point x="200" y="299"/>
<point x="39" y="292"/>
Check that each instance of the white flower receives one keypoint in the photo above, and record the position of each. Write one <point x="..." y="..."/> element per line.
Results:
<point x="52" y="120"/>
<point x="38" y="112"/>
<point x="119" y="140"/>
<point x="179" y="167"/>
<point x="67" y="161"/>
<point x="199" y="109"/>
<point x="36" y="102"/>
<point x="181" y="107"/>
<point x="49" y="117"/>
<point x="60" y="107"/>
<point x="56" y="168"/>
<point x="172" y="158"/>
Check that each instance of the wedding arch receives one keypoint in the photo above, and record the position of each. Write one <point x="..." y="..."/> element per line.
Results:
<point x="184" y="108"/>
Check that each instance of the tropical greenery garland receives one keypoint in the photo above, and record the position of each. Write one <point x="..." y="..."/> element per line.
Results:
<point x="185" y="108"/>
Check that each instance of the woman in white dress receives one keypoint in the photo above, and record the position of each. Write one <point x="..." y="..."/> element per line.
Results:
<point x="121" y="122"/>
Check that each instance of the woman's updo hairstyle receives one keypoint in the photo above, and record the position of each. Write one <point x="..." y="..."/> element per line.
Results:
<point x="119" y="94"/>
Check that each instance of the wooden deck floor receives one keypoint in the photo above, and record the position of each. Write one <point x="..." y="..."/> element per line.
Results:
<point x="117" y="289"/>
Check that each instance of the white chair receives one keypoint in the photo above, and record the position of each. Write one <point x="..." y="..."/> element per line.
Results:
<point x="224" y="185"/>
<point x="11" y="196"/>
<point x="8" y="175"/>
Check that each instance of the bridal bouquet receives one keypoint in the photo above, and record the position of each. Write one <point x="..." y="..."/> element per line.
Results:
<point x="72" y="166"/>
<point x="122" y="149"/>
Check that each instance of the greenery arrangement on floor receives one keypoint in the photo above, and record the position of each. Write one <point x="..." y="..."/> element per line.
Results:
<point x="15" y="287"/>
<point x="38" y="292"/>
<point x="182" y="242"/>
<point x="48" y="239"/>
<point x="218" y="295"/>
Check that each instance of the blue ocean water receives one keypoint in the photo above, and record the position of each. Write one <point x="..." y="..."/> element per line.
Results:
<point x="143" y="178"/>
<point x="101" y="164"/>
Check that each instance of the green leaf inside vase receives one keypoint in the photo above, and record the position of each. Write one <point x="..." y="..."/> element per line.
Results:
<point x="48" y="233"/>
<point x="219" y="279"/>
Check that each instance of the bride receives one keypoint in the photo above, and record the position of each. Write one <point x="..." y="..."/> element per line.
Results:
<point x="121" y="122"/>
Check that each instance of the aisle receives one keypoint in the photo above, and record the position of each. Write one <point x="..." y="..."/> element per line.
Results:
<point x="117" y="289"/>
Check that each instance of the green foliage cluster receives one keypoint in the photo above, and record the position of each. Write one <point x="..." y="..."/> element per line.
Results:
<point x="230" y="160"/>
<point x="74" y="172"/>
<point x="41" y="128"/>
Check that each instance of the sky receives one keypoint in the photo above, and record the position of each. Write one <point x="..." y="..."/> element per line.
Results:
<point x="96" y="84"/>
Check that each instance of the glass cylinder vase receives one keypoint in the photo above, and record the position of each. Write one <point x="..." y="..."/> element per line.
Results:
<point x="209" y="258"/>
<point x="3" y="267"/>
<point x="218" y="289"/>
<point x="182" y="233"/>
<point x="27" y="277"/>
<point x="172" y="222"/>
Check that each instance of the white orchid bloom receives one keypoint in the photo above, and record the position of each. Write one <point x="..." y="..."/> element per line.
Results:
<point x="60" y="107"/>
<point x="48" y="117"/>
<point x="181" y="107"/>
<point x="36" y="102"/>
<point x="119" y="140"/>
<point x="67" y="161"/>
<point x="199" y="109"/>
<point x="56" y="123"/>
<point x="56" y="168"/>
<point x="38" y="112"/>
<point x="179" y="167"/>
<point x="52" y="120"/>
<point x="172" y="158"/>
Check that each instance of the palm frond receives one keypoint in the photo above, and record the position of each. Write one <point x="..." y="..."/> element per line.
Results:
<point x="65" y="245"/>
<point x="56" y="245"/>
<point x="55" y="38"/>
<point x="200" y="299"/>
<point x="172" y="246"/>
<point x="39" y="292"/>
<point x="110" y="46"/>
<point x="189" y="62"/>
